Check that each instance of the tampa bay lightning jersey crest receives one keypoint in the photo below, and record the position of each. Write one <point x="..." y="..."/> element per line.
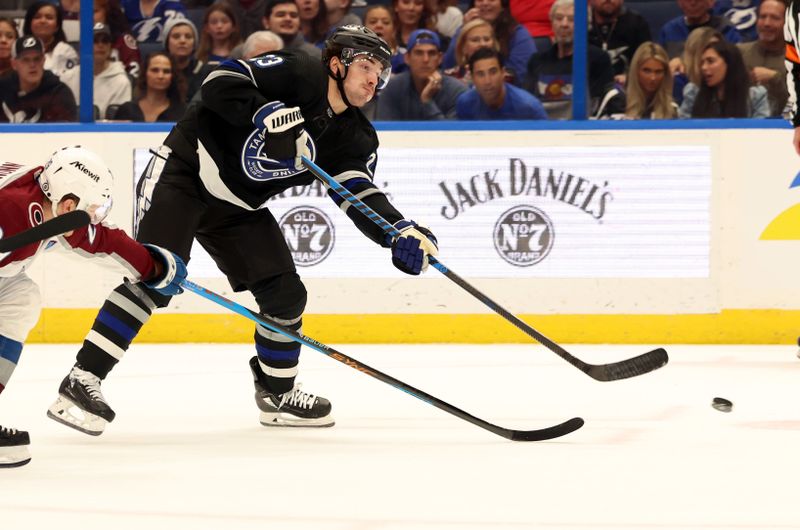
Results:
<point x="259" y="167"/>
<point x="219" y="130"/>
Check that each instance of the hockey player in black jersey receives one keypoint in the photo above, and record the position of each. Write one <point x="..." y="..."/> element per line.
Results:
<point x="237" y="147"/>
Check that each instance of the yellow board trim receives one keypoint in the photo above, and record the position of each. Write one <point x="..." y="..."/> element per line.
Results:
<point x="731" y="326"/>
<point x="785" y="227"/>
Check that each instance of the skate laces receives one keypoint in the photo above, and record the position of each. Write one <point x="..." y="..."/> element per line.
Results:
<point x="90" y="382"/>
<point x="297" y="398"/>
<point x="8" y="431"/>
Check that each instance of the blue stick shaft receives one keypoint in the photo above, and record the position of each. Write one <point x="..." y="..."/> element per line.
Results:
<point x="607" y="372"/>
<point x="511" y="434"/>
<point x="371" y="214"/>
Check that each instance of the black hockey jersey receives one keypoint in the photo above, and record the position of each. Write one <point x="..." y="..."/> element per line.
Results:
<point x="620" y="38"/>
<point x="218" y="138"/>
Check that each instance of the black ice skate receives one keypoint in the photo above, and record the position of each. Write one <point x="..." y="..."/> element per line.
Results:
<point x="292" y="409"/>
<point x="14" y="447"/>
<point x="81" y="404"/>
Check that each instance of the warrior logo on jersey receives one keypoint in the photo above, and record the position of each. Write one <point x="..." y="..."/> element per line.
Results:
<point x="523" y="236"/>
<point x="259" y="167"/>
<point x="309" y="234"/>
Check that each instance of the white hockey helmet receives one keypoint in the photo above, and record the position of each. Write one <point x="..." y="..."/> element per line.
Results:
<point x="79" y="172"/>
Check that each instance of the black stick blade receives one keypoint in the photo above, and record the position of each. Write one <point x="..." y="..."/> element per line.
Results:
<point x="549" y="433"/>
<point x="647" y="362"/>
<point x="56" y="226"/>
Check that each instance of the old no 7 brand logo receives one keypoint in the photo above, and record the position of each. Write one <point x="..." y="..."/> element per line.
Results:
<point x="523" y="236"/>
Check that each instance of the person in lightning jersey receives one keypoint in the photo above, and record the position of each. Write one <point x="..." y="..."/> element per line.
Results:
<point x="73" y="179"/>
<point x="237" y="146"/>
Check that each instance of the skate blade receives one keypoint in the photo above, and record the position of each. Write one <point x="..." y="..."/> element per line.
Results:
<point x="85" y="422"/>
<point x="14" y="456"/>
<point x="278" y="419"/>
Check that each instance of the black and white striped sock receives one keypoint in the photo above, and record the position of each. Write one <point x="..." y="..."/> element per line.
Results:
<point x="278" y="355"/>
<point x="123" y="314"/>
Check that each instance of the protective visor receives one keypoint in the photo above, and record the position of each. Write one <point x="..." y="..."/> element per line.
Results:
<point x="382" y="67"/>
<point x="98" y="213"/>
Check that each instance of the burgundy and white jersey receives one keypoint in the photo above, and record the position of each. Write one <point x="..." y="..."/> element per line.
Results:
<point x="22" y="207"/>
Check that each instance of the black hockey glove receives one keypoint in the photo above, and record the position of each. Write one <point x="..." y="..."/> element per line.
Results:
<point x="410" y="250"/>
<point x="285" y="140"/>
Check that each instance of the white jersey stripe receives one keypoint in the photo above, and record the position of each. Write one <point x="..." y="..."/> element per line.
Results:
<point x="129" y="307"/>
<point x="277" y="337"/>
<point x="278" y="372"/>
<point x="105" y="344"/>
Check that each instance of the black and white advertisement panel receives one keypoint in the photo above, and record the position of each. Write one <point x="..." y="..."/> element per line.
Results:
<point x="532" y="212"/>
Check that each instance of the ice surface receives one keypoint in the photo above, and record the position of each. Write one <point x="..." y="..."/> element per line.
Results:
<point x="187" y="451"/>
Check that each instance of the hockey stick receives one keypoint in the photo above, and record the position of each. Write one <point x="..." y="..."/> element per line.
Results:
<point x="511" y="434"/>
<point x="56" y="226"/>
<point x="639" y="365"/>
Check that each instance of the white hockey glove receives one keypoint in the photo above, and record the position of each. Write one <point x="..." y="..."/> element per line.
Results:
<point x="285" y="140"/>
<point x="410" y="250"/>
<point x="173" y="271"/>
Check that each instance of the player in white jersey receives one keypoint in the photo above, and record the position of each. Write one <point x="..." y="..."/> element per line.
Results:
<point x="73" y="179"/>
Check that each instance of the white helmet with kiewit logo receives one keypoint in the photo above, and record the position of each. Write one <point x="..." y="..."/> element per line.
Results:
<point x="81" y="174"/>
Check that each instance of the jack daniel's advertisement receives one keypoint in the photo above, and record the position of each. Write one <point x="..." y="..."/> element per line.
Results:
<point x="550" y="212"/>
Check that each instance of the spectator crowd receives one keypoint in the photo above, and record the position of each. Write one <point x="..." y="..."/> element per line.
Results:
<point x="452" y="59"/>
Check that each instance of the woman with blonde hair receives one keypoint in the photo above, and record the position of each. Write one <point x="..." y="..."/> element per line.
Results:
<point x="475" y="34"/>
<point x="686" y="69"/>
<point x="649" y="85"/>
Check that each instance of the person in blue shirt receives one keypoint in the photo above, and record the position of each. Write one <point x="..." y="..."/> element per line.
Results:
<point x="421" y="93"/>
<point x="492" y="98"/>
<point x="743" y="14"/>
<point x="696" y="14"/>
<point x="148" y="18"/>
<point x="516" y="44"/>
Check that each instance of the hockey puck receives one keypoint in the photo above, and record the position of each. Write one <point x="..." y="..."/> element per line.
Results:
<point x="722" y="404"/>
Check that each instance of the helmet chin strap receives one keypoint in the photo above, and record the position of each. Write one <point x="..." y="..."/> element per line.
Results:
<point x="340" y="84"/>
<point x="54" y="206"/>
